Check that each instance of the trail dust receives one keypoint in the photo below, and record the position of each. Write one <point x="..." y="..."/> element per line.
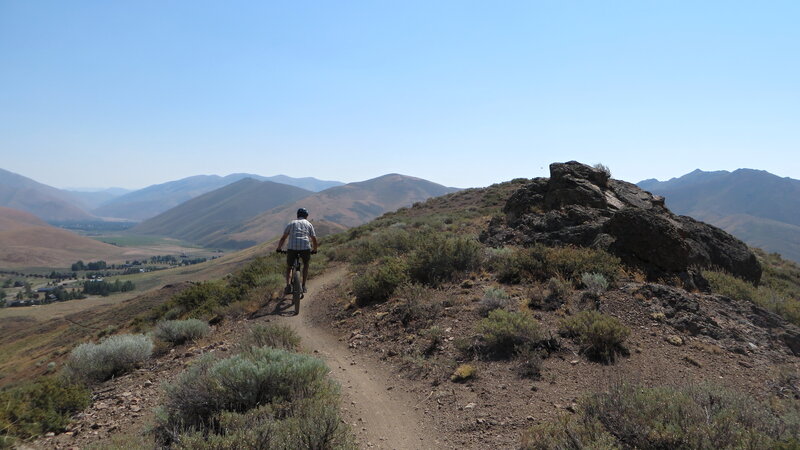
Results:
<point x="381" y="417"/>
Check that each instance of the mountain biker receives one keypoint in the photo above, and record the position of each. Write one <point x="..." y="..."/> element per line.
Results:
<point x="302" y="242"/>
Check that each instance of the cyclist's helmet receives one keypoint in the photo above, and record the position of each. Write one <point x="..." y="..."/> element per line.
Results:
<point x="302" y="212"/>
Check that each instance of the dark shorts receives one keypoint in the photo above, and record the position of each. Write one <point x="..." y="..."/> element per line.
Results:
<point x="291" y="255"/>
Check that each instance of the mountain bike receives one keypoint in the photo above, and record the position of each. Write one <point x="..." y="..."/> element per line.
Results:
<point x="295" y="282"/>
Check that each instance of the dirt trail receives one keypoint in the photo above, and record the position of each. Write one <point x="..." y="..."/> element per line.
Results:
<point x="381" y="417"/>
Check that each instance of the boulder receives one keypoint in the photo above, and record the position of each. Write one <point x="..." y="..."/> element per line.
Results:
<point x="581" y="205"/>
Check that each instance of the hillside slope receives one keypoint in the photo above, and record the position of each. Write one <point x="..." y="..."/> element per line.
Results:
<point x="758" y="207"/>
<point x="153" y="200"/>
<point x="94" y="199"/>
<point x="307" y="183"/>
<point x="26" y="241"/>
<point x="336" y="208"/>
<point x="46" y="202"/>
<point x="195" y="220"/>
<point x="156" y="199"/>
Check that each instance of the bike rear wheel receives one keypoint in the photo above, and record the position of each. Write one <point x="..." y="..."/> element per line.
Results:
<point x="297" y="291"/>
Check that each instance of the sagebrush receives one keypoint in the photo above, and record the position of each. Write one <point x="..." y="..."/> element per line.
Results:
<point x="113" y="356"/>
<point x="41" y="406"/>
<point x="694" y="417"/>
<point x="259" y="395"/>
<point x="503" y="333"/>
<point x="600" y="336"/>
<point x="177" y="332"/>
<point x="271" y="335"/>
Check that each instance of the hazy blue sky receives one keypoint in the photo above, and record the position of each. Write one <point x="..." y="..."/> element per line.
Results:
<point x="114" y="93"/>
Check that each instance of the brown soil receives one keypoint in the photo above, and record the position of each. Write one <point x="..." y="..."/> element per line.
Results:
<point x="494" y="408"/>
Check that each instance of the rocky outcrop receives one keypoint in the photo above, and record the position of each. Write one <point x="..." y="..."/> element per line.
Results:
<point x="739" y="324"/>
<point x="581" y="205"/>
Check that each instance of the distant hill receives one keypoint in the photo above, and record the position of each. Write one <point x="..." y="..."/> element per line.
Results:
<point x="153" y="200"/>
<point x="156" y="199"/>
<point x="96" y="198"/>
<point x="26" y="241"/>
<point x="335" y="209"/>
<point x="758" y="207"/>
<point x="308" y="183"/>
<point x="45" y="202"/>
<point x="195" y="220"/>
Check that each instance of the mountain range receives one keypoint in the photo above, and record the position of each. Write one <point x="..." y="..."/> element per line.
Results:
<point x="334" y="209"/>
<point x="239" y="210"/>
<point x="233" y="212"/>
<point x="204" y="215"/>
<point x="756" y="206"/>
<point x="154" y="200"/>
<point x="57" y="205"/>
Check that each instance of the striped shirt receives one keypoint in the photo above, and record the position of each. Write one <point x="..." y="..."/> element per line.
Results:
<point x="300" y="232"/>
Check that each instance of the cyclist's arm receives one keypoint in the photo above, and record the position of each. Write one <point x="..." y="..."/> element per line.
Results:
<point x="314" y="244"/>
<point x="283" y="239"/>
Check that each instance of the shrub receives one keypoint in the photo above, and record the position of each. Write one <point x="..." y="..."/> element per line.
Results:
<point x="517" y="265"/>
<point x="264" y="272"/>
<point x="594" y="283"/>
<point x="600" y="336"/>
<point x="570" y="262"/>
<point x="778" y="292"/>
<point x="786" y="382"/>
<point x="272" y="335"/>
<point x="393" y="241"/>
<point x="503" y="332"/>
<point x="438" y="258"/>
<point x="732" y="287"/>
<point x="496" y="259"/>
<point x="260" y="279"/>
<point x="696" y="417"/>
<point x="529" y="362"/>
<point x="308" y="424"/>
<point x="569" y="433"/>
<point x="603" y="168"/>
<point x="203" y="298"/>
<point x="379" y="282"/>
<point x="463" y="373"/>
<point x="257" y="377"/>
<point x="177" y="332"/>
<point x="40" y="406"/>
<point x="553" y="296"/>
<point x="113" y="356"/>
<point x="494" y="298"/>
<point x="416" y="305"/>
<point x="435" y="337"/>
<point x="542" y="263"/>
